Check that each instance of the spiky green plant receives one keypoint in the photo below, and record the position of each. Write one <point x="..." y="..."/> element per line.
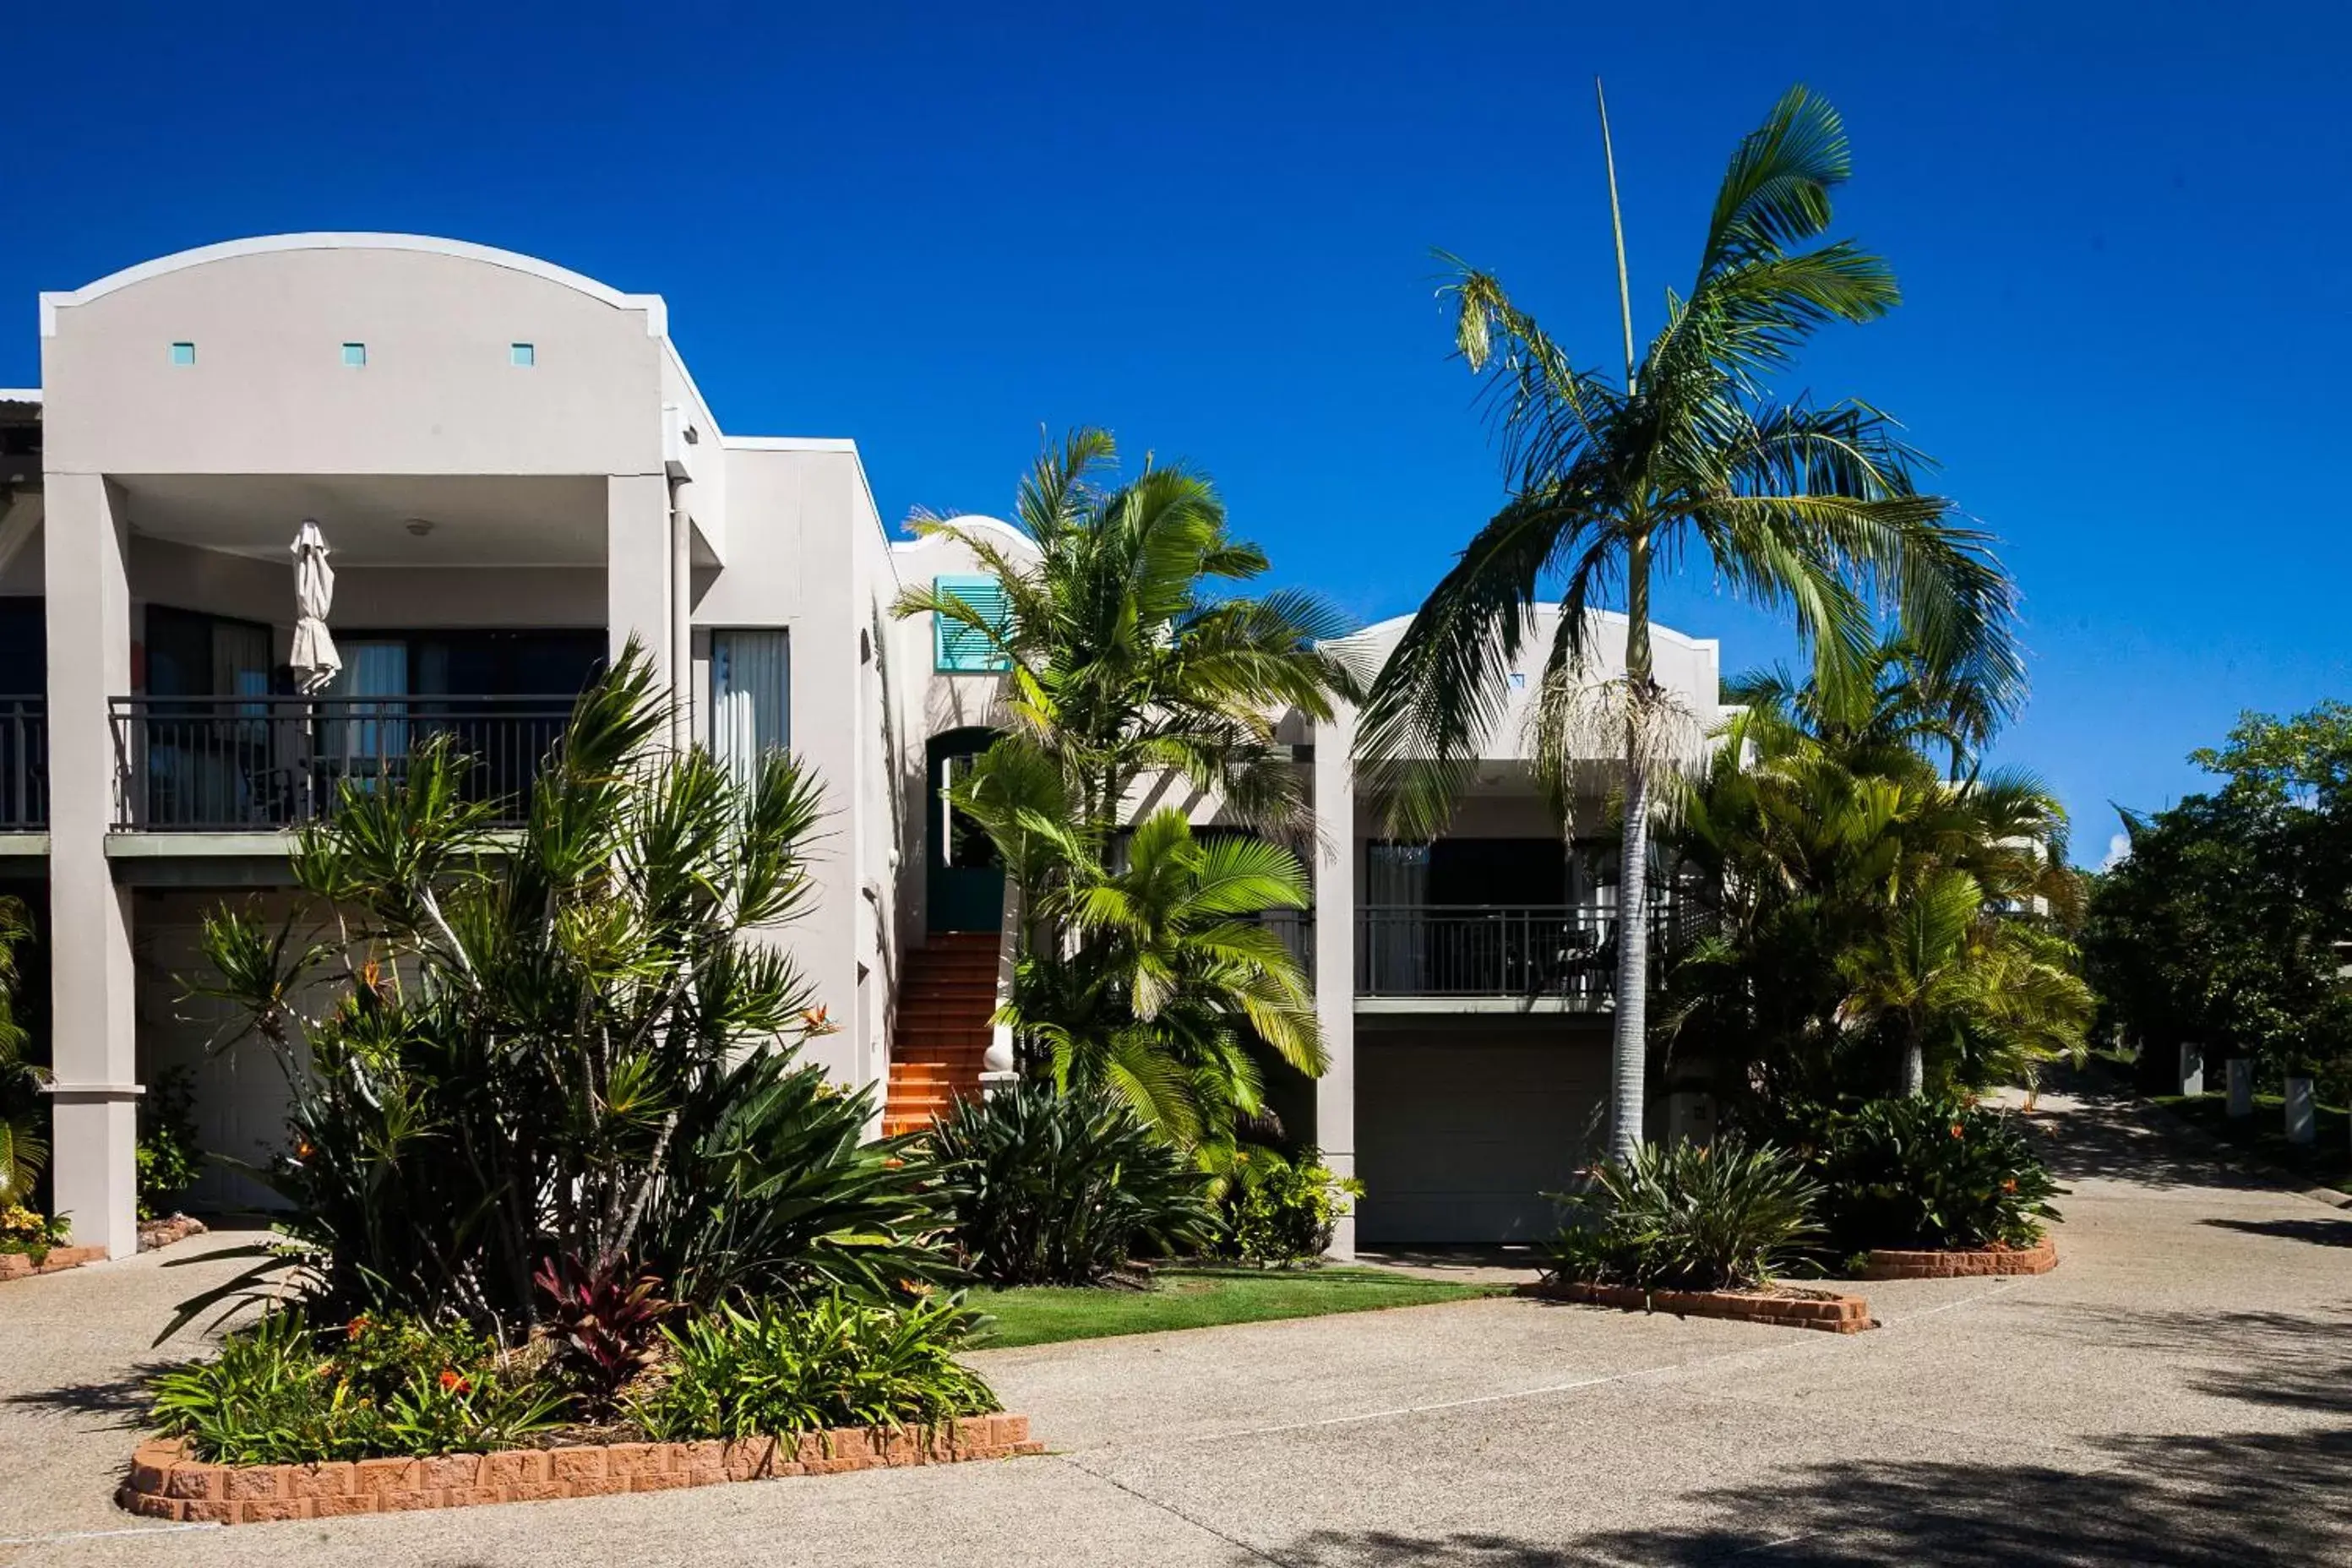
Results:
<point x="574" y="1042"/>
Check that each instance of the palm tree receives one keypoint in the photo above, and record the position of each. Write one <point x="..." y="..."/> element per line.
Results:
<point x="1125" y="655"/>
<point x="1810" y="510"/>
<point x="1870" y="904"/>
<point x="1128" y="657"/>
<point x="1164" y="976"/>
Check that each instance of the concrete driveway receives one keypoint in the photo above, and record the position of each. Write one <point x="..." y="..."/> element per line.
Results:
<point x="2179" y="1392"/>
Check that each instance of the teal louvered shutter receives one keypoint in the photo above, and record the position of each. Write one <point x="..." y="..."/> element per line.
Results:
<point x="963" y="649"/>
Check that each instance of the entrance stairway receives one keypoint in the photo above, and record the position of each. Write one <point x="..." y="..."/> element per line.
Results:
<point x="944" y="1005"/>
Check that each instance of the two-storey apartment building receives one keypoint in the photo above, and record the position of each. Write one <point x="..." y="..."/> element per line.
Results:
<point x="516" y="474"/>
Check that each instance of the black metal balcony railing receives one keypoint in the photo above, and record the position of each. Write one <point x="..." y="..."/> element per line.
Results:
<point x="226" y="764"/>
<point x="24" y="764"/>
<point x="1567" y="952"/>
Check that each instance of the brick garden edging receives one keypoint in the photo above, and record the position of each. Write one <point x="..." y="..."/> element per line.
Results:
<point x="20" y="1264"/>
<point x="1829" y="1313"/>
<point x="166" y="1484"/>
<point x="1964" y="1263"/>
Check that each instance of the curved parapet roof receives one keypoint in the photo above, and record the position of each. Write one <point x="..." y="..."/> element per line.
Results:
<point x="983" y="523"/>
<point x="656" y="311"/>
<point x="1389" y="632"/>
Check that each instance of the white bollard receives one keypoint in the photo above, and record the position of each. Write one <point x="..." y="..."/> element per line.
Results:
<point x="2242" y="1086"/>
<point x="2298" y="1110"/>
<point x="2192" y="1067"/>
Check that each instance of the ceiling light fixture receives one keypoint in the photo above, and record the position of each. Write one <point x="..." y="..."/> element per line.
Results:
<point x="419" y="526"/>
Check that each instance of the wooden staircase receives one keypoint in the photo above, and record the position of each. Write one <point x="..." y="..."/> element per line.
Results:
<point x="944" y="1005"/>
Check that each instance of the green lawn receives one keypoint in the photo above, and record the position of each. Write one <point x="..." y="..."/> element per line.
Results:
<point x="2326" y="1160"/>
<point x="1201" y="1298"/>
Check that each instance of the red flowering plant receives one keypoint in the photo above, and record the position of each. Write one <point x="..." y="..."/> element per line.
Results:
<point x="1935" y="1172"/>
<point x="281" y="1391"/>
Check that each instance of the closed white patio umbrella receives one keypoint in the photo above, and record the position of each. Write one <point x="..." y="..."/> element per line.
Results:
<point x="315" y="661"/>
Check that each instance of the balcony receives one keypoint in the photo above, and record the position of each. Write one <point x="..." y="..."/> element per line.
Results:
<point x="1560" y="958"/>
<point x="24" y="764"/>
<point x="249" y="765"/>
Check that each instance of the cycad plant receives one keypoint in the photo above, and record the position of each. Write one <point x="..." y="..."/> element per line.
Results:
<point x="1688" y="458"/>
<point x="572" y="1045"/>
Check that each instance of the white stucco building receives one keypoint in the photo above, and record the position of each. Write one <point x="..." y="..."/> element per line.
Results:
<point x="516" y="474"/>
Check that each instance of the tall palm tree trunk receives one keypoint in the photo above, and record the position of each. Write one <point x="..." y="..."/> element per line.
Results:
<point x="1629" y="1055"/>
<point x="1914" y="1067"/>
<point x="1629" y="1063"/>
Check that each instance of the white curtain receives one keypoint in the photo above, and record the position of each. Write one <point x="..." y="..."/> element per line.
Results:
<point x="751" y="698"/>
<point x="1396" y="887"/>
<point x="364" y="735"/>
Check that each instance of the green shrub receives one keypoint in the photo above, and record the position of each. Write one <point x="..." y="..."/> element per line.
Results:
<point x="280" y="1392"/>
<point x="169" y="1159"/>
<point x="1934" y="1172"/>
<point x="771" y="1193"/>
<point x="570" y="1042"/>
<point x="781" y="1369"/>
<point x="1689" y="1216"/>
<point x="31" y="1232"/>
<point x="1282" y="1212"/>
<point x="1048" y="1188"/>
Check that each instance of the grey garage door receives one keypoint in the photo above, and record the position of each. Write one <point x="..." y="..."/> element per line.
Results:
<point x="1460" y="1132"/>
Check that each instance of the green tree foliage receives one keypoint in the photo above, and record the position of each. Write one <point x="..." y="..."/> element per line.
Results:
<point x="569" y="1045"/>
<point x="1810" y="512"/>
<point x="1877" y="924"/>
<point x="2221" y="925"/>
<point x="24" y="1149"/>
<point x="1131" y="656"/>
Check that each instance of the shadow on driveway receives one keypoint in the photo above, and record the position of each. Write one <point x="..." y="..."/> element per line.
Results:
<point x="2318" y="1232"/>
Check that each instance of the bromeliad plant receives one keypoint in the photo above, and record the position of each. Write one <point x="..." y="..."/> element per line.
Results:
<point x="1688" y="1216"/>
<point x="568" y="1044"/>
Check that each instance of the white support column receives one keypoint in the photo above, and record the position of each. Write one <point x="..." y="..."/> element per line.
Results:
<point x="638" y="567"/>
<point x="681" y="607"/>
<point x="94" y="1010"/>
<point x="1335" y="952"/>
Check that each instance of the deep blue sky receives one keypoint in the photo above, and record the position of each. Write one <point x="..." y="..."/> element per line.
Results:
<point x="2122" y="233"/>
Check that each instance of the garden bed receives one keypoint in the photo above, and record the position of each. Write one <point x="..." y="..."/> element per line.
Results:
<point x="1962" y="1263"/>
<point x="1780" y="1307"/>
<point x="164" y="1483"/>
<point x="56" y="1260"/>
